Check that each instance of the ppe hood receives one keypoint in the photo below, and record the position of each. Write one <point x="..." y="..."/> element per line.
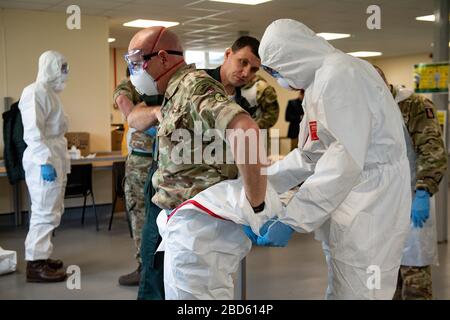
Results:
<point x="294" y="50"/>
<point x="50" y="64"/>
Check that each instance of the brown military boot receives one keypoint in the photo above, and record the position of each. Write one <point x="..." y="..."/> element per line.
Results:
<point x="131" y="279"/>
<point x="40" y="271"/>
<point x="55" y="264"/>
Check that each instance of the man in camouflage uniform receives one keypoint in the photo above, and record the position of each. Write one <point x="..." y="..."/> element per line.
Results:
<point x="414" y="282"/>
<point x="241" y="83"/>
<point x="419" y="114"/>
<point x="190" y="95"/>
<point x="139" y="161"/>
<point x="263" y="101"/>
<point x="151" y="286"/>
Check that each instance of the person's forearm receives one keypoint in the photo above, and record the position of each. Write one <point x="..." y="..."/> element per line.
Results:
<point x="143" y="117"/>
<point x="255" y="184"/>
<point x="250" y="156"/>
<point x="125" y="105"/>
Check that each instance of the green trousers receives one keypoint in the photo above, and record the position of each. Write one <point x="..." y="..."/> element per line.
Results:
<point x="151" y="286"/>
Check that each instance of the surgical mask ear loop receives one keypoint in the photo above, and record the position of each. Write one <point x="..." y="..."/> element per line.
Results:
<point x="168" y="70"/>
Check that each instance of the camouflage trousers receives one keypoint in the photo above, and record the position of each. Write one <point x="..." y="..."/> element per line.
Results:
<point x="414" y="283"/>
<point x="136" y="172"/>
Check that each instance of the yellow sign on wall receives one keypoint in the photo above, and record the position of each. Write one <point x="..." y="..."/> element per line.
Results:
<point x="431" y="77"/>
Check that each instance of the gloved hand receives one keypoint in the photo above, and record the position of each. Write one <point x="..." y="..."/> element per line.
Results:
<point x="152" y="131"/>
<point x="420" y="211"/>
<point x="48" y="172"/>
<point x="250" y="234"/>
<point x="274" y="234"/>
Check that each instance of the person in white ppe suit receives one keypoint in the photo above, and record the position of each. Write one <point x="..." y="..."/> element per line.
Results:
<point x="46" y="163"/>
<point x="420" y="252"/>
<point x="351" y="160"/>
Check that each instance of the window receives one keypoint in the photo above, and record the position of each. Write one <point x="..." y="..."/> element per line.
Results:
<point x="204" y="59"/>
<point x="215" y="58"/>
<point x="197" y="57"/>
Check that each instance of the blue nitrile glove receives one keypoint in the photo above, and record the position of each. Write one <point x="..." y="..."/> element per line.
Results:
<point x="48" y="172"/>
<point x="420" y="211"/>
<point x="250" y="234"/>
<point x="152" y="131"/>
<point x="274" y="234"/>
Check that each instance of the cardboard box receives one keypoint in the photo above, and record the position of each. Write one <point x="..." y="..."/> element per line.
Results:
<point x="79" y="140"/>
<point x="116" y="139"/>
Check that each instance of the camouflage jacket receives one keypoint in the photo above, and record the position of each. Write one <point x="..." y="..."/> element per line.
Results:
<point x="421" y="121"/>
<point x="263" y="101"/>
<point x="137" y="140"/>
<point x="192" y="98"/>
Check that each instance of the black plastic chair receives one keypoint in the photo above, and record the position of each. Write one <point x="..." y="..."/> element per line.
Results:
<point x="79" y="184"/>
<point x="118" y="178"/>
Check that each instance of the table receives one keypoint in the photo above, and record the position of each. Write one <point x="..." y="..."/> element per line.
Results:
<point x="102" y="162"/>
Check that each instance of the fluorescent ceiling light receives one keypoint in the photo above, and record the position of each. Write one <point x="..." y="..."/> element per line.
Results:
<point x="111" y="40"/>
<point x="365" y="54"/>
<point x="426" y="18"/>
<point x="143" y="23"/>
<point x="249" y="2"/>
<point x="333" y="36"/>
<point x="430" y="18"/>
<point x="432" y="44"/>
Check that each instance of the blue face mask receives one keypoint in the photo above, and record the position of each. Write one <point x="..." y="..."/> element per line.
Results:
<point x="282" y="82"/>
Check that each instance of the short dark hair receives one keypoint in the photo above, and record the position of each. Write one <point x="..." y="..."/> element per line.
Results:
<point x="381" y="73"/>
<point x="246" y="41"/>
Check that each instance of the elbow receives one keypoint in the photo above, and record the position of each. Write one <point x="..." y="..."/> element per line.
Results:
<point x="124" y="104"/>
<point x="244" y="122"/>
<point x="131" y="121"/>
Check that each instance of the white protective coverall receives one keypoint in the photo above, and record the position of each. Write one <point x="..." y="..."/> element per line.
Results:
<point x="8" y="261"/>
<point x="44" y="124"/>
<point x="421" y="244"/>
<point x="351" y="158"/>
<point x="204" y="242"/>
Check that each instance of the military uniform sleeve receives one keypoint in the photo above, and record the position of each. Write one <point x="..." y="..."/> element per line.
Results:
<point x="426" y="135"/>
<point x="126" y="88"/>
<point x="212" y="106"/>
<point x="269" y="108"/>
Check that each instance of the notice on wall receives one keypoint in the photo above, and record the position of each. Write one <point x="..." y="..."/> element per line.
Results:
<point x="431" y="77"/>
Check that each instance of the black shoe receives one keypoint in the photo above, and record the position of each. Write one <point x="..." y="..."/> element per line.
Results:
<point x="55" y="264"/>
<point x="131" y="279"/>
<point x="40" y="271"/>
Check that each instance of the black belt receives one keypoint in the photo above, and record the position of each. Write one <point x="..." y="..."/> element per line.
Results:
<point x="141" y="154"/>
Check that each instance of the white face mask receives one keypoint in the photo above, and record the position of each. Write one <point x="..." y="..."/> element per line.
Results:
<point x="144" y="83"/>
<point x="60" y="87"/>
<point x="61" y="82"/>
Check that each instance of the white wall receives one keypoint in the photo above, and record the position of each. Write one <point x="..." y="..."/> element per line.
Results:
<point x="24" y="35"/>
<point x="2" y="77"/>
<point x="117" y="74"/>
<point x="85" y="100"/>
<point x="400" y="70"/>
